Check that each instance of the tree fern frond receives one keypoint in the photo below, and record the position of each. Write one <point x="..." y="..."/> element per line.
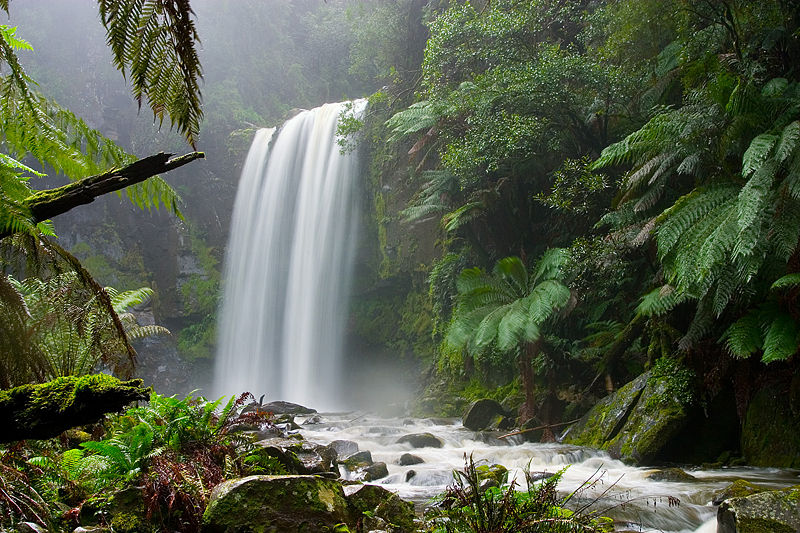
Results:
<point x="463" y="215"/>
<point x="417" y="117"/>
<point x="153" y="43"/>
<point x="550" y="265"/>
<point x="660" y="301"/>
<point x="744" y="337"/>
<point x="787" y="281"/>
<point x="790" y="138"/>
<point x="137" y="332"/>
<point x="781" y="339"/>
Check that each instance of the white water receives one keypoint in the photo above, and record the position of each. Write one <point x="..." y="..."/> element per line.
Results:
<point x="288" y="264"/>
<point x="623" y="492"/>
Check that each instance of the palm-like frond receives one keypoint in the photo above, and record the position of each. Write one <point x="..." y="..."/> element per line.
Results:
<point x="153" y="42"/>
<point x="417" y="117"/>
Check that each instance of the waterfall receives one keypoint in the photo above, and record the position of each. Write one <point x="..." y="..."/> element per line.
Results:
<point x="288" y="264"/>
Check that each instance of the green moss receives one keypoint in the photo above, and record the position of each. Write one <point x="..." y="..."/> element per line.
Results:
<point x="771" y="430"/>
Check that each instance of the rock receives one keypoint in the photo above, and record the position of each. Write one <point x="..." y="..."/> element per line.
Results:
<point x="771" y="429"/>
<point x="738" y="489"/>
<point x="301" y="457"/>
<point x="286" y="408"/>
<point x="411" y="474"/>
<point x="498" y="473"/>
<point x="358" y="460"/>
<point x="408" y="459"/>
<point x="127" y="511"/>
<point x="30" y="527"/>
<point x="484" y="414"/>
<point x="344" y="448"/>
<point x="605" y="420"/>
<point x="289" y="504"/>
<point x="421" y="440"/>
<point x="313" y="420"/>
<point x="539" y="476"/>
<point x="375" y="471"/>
<point x="636" y="424"/>
<point x="377" y="501"/>
<point x="670" y="474"/>
<point x="770" y="511"/>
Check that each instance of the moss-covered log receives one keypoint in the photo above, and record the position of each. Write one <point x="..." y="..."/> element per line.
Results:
<point x="44" y="410"/>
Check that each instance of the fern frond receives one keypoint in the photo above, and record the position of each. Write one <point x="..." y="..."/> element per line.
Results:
<point x="660" y="301"/>
<point x="787" y="281"/>
<point x="781" y="339"/>
<point x="154" y="45"/>
<point x="757" y="153"/>
<point x="417" y="117"/>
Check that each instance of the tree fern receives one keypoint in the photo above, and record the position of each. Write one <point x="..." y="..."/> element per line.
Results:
<point x="417" y="117"/>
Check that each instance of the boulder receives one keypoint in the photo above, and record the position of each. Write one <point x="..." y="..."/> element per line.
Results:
<point x="358" y="460"/>
<point x="771" y="428"/>
<point x="495" y="472"/>
<point x="605" y="420"/>
<point x="408" y="459"/>
<point x="484" y="414"/>
<point x="738" y="489"/>
<point x="301" y="457"/>
<point x="374" y="500"/>
<point x="421" y="440"/>
<point x="638" y="423"/>
<point x="375" y="471"/>
<point x="286" y="504"/>
<point x="774" y="511"/>
<point x="670" y="474"/>
<point x="286" y="408"/>
<point x="344" y="448"/>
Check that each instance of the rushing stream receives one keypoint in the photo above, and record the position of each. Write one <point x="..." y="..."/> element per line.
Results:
<point x="623" y="492"/>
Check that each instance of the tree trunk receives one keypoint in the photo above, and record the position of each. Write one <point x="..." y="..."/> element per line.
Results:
<point x="528" y="408"/>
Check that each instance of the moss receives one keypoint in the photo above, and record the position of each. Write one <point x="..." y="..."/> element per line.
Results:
<point x="771" y="430"/>
<point x="45" y="410"/>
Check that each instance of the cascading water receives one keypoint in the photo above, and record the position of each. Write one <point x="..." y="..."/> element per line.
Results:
<point x="289" y="263"/>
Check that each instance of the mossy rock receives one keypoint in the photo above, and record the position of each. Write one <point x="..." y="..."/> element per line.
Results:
<point x="127" y="511"/>
<point x="495" y="472"/>
<point x="605" y="420"/>
<point x="657" y="417"/>
<point x="771" y="430"/>
<point x="272" y="504"/>
<point x="738" y="489"/>
<point x="775" y="511"/>
<point x="671" y="474"/>
<point x="373" y="500"/>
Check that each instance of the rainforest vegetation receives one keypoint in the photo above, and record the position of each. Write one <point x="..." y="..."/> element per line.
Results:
<point x="559" y="197"/>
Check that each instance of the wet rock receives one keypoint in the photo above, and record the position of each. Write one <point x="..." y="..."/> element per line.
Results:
<point x="289" y="504"/>
<point x="358" y="460"/>
<point x="421" y="440"/>
<point x="636" y="424"/>
<point x="605" y="420"/>
<point x="539" y="476"/>
<point x="738" y="489"/>
<point x="670" y="474"/>
<point x="301" y="457"/>
<point x="344" y="448"/>
<point x="286" y="408"/>
<point x="774" y="511"/>
<point x="313" y="420"/>
<point x="30" y="527"/>
<point x="495" y="472"/>
<point x="486" y="414"/>
<point x="375" y="471"/>
<point x="408" y="459"/>
<point x="770" y="434"/>
<point x="377" y="501"/>
<point x="411" y="474"/>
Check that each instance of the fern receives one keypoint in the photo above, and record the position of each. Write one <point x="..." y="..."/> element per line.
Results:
<point x="418" y="116"/>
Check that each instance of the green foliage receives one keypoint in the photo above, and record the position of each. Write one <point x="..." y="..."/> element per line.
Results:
<point x="154" y="46"/>
<point x="508" y="307"/>
<point x="466" y="507"/>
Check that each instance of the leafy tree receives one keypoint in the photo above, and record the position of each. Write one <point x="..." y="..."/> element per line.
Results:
<point x="508" y="310"/>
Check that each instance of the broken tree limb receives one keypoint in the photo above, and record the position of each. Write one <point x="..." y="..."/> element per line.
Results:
<point x="52" y="202"/>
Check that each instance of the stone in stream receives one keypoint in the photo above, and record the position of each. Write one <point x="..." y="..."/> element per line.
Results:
<point x="486" y="414"/>
<point x="375" y="471"/>
<point x="301" y="457"/>
<point x="289" y="504"/>
<point x="358" y="460"/>
<point x="286" y="408"/>
<point x="381" y="503"/>
<point x="670" y="474"/>
<point x="421" y="440"/>
<point x="738" y="489"/>
<point x="776" y="511"/>
<point x="344" y="448"/>
<point x="408" y="459"/>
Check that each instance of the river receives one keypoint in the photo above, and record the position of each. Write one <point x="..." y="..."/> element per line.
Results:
<point x="623" y="492"/>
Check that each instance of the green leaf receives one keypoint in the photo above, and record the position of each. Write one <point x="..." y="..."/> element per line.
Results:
<point x="787" y="281"/>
